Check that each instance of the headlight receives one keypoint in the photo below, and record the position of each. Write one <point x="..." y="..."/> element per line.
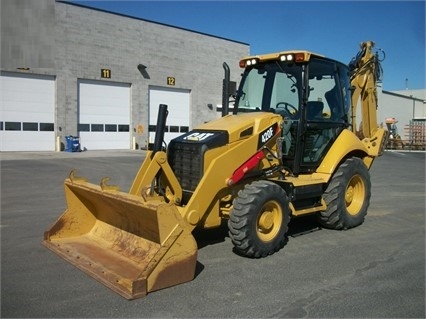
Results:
<point x="286" y="57"/>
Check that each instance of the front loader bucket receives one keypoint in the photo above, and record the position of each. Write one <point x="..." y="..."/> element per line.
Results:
<point x="131" y="245"/>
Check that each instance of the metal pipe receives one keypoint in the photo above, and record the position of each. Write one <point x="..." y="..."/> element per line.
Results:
<point x="161" y="128"/>
<point x="225" y="90"/>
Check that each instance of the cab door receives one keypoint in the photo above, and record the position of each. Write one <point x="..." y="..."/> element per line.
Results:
<point x="324" y="114"/>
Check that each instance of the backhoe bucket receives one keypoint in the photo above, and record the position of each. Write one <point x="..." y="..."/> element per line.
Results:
<point x="131" y="245"/>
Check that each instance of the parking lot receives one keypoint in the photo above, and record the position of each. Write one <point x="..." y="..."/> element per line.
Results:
<point x="376" y="270"/>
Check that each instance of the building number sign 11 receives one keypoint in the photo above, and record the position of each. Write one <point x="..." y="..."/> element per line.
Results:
<point x="105" y="73"/>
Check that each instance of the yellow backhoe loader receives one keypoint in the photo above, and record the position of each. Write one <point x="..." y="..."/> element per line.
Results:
<point x="289" y="148"/>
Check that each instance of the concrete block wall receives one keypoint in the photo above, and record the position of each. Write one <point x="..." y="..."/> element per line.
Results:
<point x="89" y="40"/>
<point x="28" y="35"/>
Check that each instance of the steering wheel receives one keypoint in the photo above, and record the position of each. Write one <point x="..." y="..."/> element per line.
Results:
<point x="289" y="110"/>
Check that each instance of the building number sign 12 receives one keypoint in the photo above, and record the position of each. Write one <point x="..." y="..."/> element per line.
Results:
<point x="106" y="73"/>
<point x="171" y="81"/>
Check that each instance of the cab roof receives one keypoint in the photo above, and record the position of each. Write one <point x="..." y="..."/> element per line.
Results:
<point x="298" y="56"/>
<point x="276" y="55"/>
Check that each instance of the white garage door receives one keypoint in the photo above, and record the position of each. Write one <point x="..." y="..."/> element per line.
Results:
<point x="178" y="105"/>
<point x="104" y="115"/>
<point x="27" y="112"/>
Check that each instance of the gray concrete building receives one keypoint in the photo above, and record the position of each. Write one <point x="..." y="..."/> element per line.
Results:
<point x="68" y="70"/>
<point x="403" y="113"/>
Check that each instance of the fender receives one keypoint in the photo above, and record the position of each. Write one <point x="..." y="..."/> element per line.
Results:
<point x="346" y="143"/>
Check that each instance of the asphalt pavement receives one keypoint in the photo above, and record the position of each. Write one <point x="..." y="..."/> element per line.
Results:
<point x="376" y="270"/>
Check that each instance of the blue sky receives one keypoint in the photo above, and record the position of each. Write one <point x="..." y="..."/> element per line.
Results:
<point x="332" y="28"/>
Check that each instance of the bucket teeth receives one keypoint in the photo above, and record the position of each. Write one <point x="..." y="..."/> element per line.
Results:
<point x="75" y="178"/>
<point x="106" y="187"/>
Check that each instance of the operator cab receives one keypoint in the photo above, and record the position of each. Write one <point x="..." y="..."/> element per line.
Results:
<point x="309" y="91"/>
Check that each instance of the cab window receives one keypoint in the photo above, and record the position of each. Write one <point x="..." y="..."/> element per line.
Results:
<point x="325" y="93"/>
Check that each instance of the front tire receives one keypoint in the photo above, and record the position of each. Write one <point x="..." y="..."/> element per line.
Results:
<point x="347" y="196"/>
<point x="259" y="219"/>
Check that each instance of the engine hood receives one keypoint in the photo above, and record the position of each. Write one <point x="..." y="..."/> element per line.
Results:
<point x="242" y="125"/>
<point x="233" y="128"/>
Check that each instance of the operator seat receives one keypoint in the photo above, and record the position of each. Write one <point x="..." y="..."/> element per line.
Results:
<point x="332" y="98"/>
<point x="317" y="138"/>
<point x="314" y="110"/>
<point x="334" y="103"/>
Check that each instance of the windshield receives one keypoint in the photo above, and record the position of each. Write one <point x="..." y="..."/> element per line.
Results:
<point x="270" y="87"/>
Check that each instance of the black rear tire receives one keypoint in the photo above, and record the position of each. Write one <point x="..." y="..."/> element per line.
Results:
<point x="347" y="196"/>
<point x="259" y="219"/>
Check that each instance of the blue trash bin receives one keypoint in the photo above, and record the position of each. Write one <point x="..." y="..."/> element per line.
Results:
<point x="73" y="144"/>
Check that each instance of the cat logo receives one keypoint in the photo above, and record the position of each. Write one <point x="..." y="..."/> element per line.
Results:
<point x="198" y="136"/>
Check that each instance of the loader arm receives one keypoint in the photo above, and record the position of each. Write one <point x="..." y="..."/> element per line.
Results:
<point x="153" y="164"/>
<point x="155" y="172"/>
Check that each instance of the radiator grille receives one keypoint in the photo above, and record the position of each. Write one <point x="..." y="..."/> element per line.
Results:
<point x="186" y="160"/>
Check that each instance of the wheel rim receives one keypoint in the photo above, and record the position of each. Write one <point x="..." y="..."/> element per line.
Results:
<point x="355" y="195"/>
<point x="269" y="221"/>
